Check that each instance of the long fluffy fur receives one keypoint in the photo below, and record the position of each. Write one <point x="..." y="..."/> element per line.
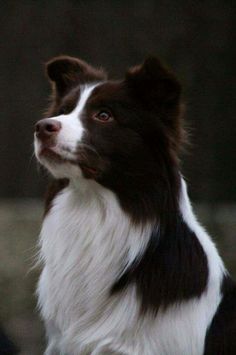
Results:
<point x="127" y="268"/>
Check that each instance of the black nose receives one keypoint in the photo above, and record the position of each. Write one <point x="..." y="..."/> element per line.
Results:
<point x="47" y="128"/>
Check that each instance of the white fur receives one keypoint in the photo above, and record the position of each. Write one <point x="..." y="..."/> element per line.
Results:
<point x="86" y="241"/>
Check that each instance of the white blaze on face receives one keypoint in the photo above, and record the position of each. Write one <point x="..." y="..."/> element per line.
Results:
<point x="72" y="130"/>
<point x="68" y="139"/>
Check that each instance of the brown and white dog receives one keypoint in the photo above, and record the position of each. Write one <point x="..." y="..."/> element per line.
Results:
<point x="127" y="269"/>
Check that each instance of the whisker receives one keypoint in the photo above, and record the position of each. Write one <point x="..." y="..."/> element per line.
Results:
<point x="30" y="160"/>
<point x="32" y="155"/>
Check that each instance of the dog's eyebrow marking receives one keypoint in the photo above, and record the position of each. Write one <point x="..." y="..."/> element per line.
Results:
<point x="86" y="91"/>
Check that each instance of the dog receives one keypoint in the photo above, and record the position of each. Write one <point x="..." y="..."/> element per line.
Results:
<point x="127" y="268"/>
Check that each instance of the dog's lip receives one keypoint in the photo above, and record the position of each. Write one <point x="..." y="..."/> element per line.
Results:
<point x="49" y="152"/>
<point x="89" y="170"/>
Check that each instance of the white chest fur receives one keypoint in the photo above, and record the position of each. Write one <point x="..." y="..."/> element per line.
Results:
<point x="86" y="241"/>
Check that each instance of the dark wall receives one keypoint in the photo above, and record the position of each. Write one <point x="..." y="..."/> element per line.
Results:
<point x="193" y="37"/>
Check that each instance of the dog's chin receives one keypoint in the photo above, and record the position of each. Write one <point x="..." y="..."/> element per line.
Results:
<point x="58" y="164"/>
<point x="63" y="165"/>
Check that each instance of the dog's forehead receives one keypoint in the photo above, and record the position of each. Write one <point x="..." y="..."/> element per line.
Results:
<point x="72" y="96"/>
<point x="97" y="94"/>
<point x="108" y="91"/>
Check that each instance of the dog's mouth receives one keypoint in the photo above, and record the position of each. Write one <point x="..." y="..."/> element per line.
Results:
<point x="84" y="158"/>
<point x="50" y="154"/>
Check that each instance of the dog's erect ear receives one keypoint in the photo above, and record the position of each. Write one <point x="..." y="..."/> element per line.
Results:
<point x="67" y="72"/>
<point x="159" y="91"/>
<point x="154" y="84"/>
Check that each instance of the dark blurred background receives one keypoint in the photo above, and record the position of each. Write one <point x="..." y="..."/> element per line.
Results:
<point x="195" y="38"/>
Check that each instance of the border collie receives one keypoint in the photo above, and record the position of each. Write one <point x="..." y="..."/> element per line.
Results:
<point x="127" y="268"/>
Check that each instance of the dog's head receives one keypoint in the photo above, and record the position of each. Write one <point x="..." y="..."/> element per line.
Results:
<point x="119" y="133"/>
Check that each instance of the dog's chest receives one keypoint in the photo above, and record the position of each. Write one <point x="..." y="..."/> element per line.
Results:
<point x="85" y="243"/>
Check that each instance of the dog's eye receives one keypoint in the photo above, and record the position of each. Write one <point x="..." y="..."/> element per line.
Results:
<point x="103" y="116"/>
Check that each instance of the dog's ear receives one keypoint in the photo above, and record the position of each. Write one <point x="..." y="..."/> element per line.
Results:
<point x="67" y="72"/>
<point x="154" y="84"/>
<point x="158" y="91"/>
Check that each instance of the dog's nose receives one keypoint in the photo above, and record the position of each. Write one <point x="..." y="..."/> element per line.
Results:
<point x="47" y="128"/>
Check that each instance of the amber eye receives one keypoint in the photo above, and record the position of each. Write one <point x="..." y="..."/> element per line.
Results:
<point x="103" y="116"/>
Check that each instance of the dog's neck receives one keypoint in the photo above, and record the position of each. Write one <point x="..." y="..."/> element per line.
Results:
<point x="145" y="198"/>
